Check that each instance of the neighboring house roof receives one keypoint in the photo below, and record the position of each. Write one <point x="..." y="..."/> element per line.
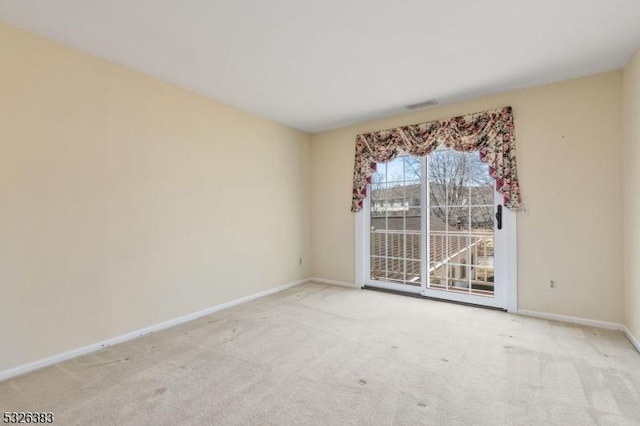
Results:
<point x="385" y="193"/>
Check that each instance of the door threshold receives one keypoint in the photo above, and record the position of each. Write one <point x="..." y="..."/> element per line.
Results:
<point x="420" y="296"/>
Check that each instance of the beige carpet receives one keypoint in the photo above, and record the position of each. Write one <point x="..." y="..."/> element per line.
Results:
<point x="322" y="355"/>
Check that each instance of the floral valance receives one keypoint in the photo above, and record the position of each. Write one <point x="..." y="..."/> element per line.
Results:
<point x="490" y="132"/>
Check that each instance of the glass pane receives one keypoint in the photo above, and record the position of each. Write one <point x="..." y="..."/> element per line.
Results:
<point x="378" y="244"/>
<point x="437" y="235"/>
<point x="378" y="224"/>
<point x="380" y="175"/>
<point x="412" y="195"/>
<point x="458" y="218"/>
<point x="395" y="269"/>
<point x="413" y="275"/>
<point x="438" y="275"/>
<point x="478" y="171"/>
<point x="378" y="268"/>
<point x="378" y="192"/>
<point x="412" y="169"/>
<point x="413" y="219"/>
<point x="456" y="176"/>
<point x="395" y="170"/>
<point x="482" y="276"/>
<point x="457" y="277"/>
<point x="482" y="250"/>
<point x="464" y="272"/>
<point x="461" y="221"/>
<point x="438" y="219"/>
<point x="395" y="244"/>
<point x="396" y="221"/>
<point x="482" y="195"/>
<point x="482" y="219"/>
<point x="396" y="206"/>
<point x="436" y="175"/>
<point x="414" y="242"/>
<point x="378" y="204"/>
<point x="458" y="248"/>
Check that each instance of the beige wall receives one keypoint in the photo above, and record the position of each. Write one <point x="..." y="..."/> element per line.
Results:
<point x="569" y="150"/>
<point x="631" y="194"/>
<point x="125" y="201"/>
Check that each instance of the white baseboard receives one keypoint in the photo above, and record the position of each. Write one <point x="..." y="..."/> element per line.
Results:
<point x="333" y="282"/>
<point x="634" y="341"/>
<point x="46" y="362"/>
<point x="575" y="320"/>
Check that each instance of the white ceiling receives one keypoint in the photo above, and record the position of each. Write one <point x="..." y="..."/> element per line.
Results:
<point x="316" y="65"/>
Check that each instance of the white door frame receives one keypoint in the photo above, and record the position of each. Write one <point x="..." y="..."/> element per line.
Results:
<point x="506" y="246"/>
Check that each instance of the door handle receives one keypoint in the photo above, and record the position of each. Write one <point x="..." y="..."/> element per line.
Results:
<point x="499" y="216"/>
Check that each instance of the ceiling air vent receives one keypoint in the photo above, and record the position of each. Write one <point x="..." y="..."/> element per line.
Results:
<point x="430" y="102"/>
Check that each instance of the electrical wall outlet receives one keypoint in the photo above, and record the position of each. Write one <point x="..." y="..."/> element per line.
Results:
<point x="553" y="284"/>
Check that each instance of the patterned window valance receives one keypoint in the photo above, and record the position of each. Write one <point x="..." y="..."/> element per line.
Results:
<point x="490" y="132"/>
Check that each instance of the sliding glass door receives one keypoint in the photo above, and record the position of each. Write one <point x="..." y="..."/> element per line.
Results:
<point x="435" y="228"/>
<point x="396" y="222"/>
